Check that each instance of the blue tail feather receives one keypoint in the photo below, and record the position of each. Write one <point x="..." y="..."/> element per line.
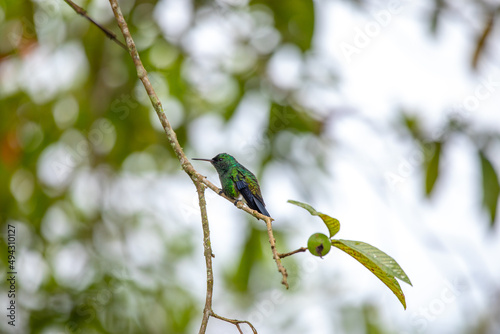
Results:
<point x="261" y="208"/>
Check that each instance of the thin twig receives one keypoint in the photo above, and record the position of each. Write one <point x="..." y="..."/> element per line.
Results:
<point x="301" y="249"/>
<point x="107" y="32"/>
<point x="276" y="257"/>
<point x="236" y="322"/>
<point x="207" y="311"/>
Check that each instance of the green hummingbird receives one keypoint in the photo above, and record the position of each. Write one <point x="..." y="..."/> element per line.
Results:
<point x="235" y="179"/>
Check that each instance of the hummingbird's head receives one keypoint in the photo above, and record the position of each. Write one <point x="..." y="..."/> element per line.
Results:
<point x="221" y="162"/>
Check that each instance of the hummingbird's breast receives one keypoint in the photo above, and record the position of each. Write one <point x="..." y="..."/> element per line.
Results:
<point x="228" y="185"/>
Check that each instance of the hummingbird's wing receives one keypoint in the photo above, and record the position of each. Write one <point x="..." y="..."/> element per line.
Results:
<point x="249" y="188"/>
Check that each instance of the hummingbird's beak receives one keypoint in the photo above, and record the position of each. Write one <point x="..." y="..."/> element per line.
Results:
<point x="209" y="160"/>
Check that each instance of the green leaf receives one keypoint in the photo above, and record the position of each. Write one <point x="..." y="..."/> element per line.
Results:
<point x="432" y="170"/>
<point x="379" y="263"/>
<point x="294" y="19"/>
<point x="286" y="117"/>
<point x="309" y="208"/>
<point x="436" y="15"/>
<point x="482" y="39"/>
<point x="331" y="223"/>
<point x="412" y="123"/>
<point x="251" y="254"/>
<point x="491" y="187"/>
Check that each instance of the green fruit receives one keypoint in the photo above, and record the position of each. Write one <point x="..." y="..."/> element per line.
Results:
<point x="319" y="244"/>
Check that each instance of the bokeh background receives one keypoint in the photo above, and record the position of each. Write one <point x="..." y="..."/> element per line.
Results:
<point x="384" y="115"/>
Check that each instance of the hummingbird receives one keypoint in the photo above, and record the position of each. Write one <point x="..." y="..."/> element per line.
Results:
<point x="236" y="180"/>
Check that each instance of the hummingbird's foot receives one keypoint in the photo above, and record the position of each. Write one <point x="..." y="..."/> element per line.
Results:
<point x="221" y="192"/>
<point x="236" y="202"/>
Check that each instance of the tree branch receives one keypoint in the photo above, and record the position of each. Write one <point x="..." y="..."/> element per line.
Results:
<point x="207" y="311"/>
<point x="188" y="168"/>
<point x="276" y="256"/>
